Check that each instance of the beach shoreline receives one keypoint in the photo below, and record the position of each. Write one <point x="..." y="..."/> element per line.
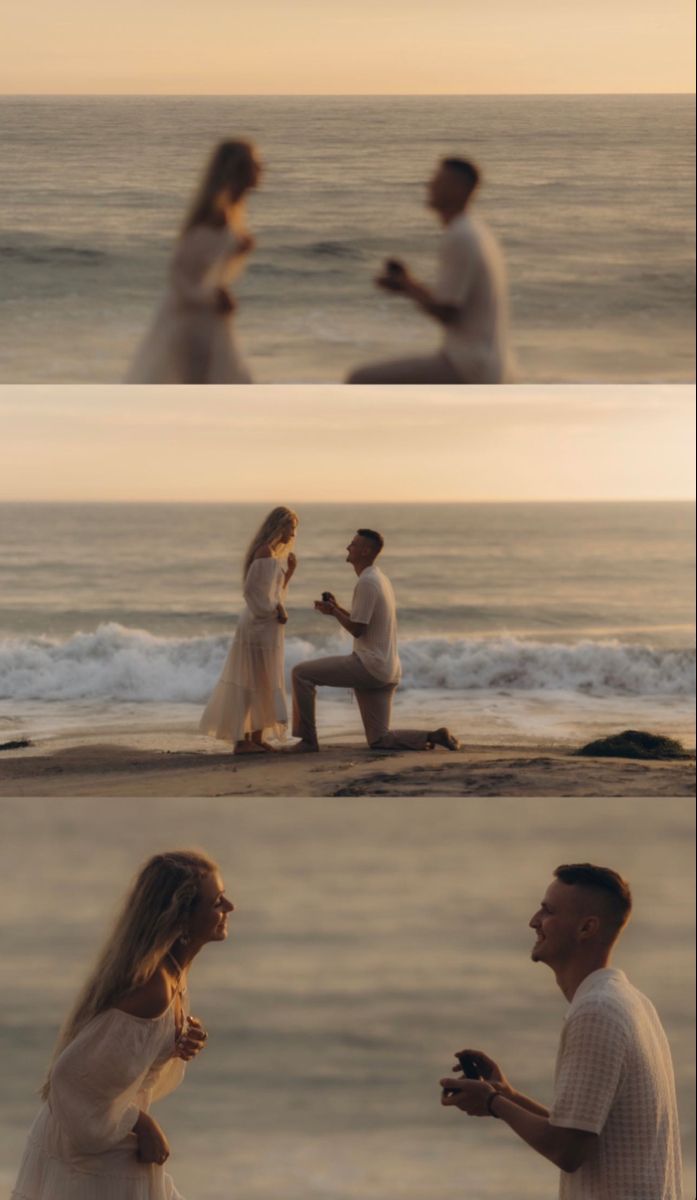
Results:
<point x="118" y="767"/>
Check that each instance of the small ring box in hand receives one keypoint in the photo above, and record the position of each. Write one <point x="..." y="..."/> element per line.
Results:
<point x="470" y="1069"/>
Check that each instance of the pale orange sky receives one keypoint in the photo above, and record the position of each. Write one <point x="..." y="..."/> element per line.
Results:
<point x="329" y="46"/>
<point x="323" y="443"/>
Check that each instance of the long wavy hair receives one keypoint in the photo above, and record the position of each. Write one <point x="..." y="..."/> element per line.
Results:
<point x="232" y="167"/>
<point x="268" y="533"/>
<point x="154" y="914"/>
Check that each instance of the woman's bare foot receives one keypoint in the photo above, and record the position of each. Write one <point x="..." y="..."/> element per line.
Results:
<point x="248" y="747"/>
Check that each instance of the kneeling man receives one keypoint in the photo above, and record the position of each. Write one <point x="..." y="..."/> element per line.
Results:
<point x="372" y="670"/>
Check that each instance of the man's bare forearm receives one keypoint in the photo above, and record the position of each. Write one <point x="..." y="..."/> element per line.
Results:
<point x="566" y="1148"/>
<point x="445" y="314"/>
<point x="350" y="626"/>
<point x="525" y="1102"/>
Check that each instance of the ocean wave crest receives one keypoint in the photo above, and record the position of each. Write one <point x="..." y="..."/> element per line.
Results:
<point x="115" y="663"/>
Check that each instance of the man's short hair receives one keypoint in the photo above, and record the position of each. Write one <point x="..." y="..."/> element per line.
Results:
<point x="606" y="883"/>
<point x="372" y="536"/>
<point x="466" y="169"/>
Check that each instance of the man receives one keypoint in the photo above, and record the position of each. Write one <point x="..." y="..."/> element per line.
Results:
<point x="372" y="670"/>
<point x="468" y="301"/>
<point x="613" y="1124"/>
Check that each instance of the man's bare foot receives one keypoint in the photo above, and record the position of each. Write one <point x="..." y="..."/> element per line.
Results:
<point x="443" y="737"/>
<point x="302" y="747"/>
<point x="247" y="747"/>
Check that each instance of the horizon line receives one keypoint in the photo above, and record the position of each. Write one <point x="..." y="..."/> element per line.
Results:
<point x="326" y="95"/>
<point x="342" y="503"/>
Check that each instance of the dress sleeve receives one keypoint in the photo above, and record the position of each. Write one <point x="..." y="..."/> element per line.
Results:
<point x="95" y="1081"/>
<point x="198" y="253"/>
<point x="262" y="587"/>
<point x="169" y="1078"/>
<point x="589" y="1070"/>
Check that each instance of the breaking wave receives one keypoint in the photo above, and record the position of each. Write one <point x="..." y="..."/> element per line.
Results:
<point x="115" y="663"/>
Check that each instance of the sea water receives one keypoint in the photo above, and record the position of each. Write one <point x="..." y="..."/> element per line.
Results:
<point x="592" y="198"/>
<point x="371" y="940"/>
<point x="517" y="622"/>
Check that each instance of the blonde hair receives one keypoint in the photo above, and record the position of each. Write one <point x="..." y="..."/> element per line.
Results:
<point x="232" y="166"/>
<point x="268" y="533"/>
<point x="154" y="914"/>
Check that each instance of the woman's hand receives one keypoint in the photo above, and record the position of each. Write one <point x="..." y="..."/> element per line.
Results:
<point x="191" y="1040"/>
<point x="281" y="615"/>
<point x="224" y="302"/>
<point x="153" y="1146"/>
<point x="245" y="244"/>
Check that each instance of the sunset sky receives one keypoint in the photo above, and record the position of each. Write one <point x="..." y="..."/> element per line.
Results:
<point x="369" y="46"/>
<point x="331" y="443"/>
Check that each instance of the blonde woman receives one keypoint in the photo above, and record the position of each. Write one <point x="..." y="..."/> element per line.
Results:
<point x="249" y="701"/>
<point x="191" y="338"/>
<point x="125" y="1043"/>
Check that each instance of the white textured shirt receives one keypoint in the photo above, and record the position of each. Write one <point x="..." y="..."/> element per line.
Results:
<point x="374" y="605"/>
<point x="614" y="1078"/>
<point x="471" y="277"/>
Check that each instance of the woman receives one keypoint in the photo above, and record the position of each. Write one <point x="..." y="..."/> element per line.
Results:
<point x="191" y="339"/>
<point x="125" y="1043"/>
<point x="249" y="701"/>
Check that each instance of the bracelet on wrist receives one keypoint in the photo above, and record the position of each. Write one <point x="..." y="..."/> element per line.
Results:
<point x="493" y="1095"/>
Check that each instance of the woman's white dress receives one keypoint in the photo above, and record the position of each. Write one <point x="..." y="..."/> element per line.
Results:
<point x="190" y="341"/>
<point x="81" y="1145"/>
<point x="250" y="694"/>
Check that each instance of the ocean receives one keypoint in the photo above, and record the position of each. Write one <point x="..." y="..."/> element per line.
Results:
<point x="592" y="198"/>
<point x="517" y="622"/>
<point x="371" y="940"/>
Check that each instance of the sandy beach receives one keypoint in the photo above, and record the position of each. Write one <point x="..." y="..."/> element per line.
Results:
<point x="133" y="766"/>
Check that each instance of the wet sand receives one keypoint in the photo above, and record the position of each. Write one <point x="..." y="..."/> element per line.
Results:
<point x="137" y="767"/>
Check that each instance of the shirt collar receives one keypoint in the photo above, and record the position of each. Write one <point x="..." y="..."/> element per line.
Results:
<point x="594" y="979"/>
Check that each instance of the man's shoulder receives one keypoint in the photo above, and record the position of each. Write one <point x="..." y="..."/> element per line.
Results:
<point x="373" y="577"/>
<point x="613" y="1008"/>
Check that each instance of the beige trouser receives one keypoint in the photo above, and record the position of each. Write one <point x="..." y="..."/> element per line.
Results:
<point x="374" y="701"/>
<point x="431" y="368"/>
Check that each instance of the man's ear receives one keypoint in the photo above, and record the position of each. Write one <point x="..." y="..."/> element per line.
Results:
<point x="588" y="928"/>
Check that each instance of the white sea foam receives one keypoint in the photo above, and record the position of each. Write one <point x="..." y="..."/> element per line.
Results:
<point x="115" y="663"/>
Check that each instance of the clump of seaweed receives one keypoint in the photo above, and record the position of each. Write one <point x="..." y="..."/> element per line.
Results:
<point x="634" y="743"/>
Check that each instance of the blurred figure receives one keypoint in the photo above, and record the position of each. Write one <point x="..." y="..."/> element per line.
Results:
<point x="125" y="1043"/>
<point x="249" y="700"/>
<point x="191" y="339"/>
<point x="468" y="301"/>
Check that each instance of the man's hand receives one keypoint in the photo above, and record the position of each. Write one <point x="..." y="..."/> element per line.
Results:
<point x="488" y="1070"/>
<point x="153" y="1146"/>
<point x="470" y="1095"/>
<point x="327" y="605"/>
<point x="191" y="1040"/>
<point x="394" y="276"/>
